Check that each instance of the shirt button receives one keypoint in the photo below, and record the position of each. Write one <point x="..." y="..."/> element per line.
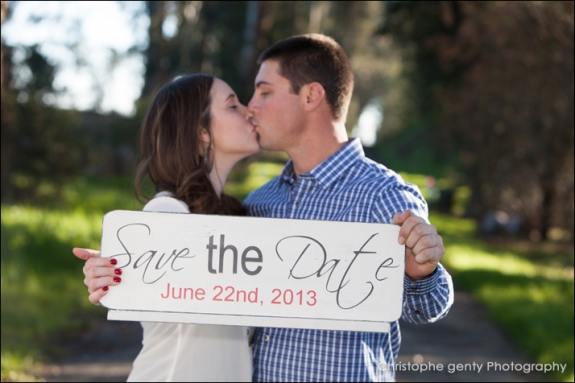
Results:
<point x="297" y="204"/>
<point x="267" y="338"/>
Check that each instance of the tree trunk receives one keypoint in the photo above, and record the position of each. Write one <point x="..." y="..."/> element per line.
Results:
<point x="6" y="164"/>
<point x="548" y="191"/>
<point x="247" y="59"/>
<point x="156" y="65"/>
<point x="316" y="14"/>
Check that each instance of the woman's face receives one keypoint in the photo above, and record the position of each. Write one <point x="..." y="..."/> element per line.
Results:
<point x="234" y="137"/>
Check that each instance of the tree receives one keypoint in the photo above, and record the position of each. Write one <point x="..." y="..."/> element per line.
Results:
<point x="499" y="76"/>
<point x="520" y="97"/>
<point x="47" y="142"/>
<point x="6" y="115"/>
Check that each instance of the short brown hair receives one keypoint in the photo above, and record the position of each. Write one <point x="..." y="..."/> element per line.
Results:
<point x="314" y="57"/>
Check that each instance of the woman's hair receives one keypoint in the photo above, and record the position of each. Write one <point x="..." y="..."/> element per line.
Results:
<point x="171" y="153"/>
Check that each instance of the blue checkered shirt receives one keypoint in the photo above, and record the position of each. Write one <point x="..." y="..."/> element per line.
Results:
<point x="345" y="187"/>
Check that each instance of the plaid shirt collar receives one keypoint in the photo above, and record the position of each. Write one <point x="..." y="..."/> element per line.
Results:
<point x="330" y="170"/>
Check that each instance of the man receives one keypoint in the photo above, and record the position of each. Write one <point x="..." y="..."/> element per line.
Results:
<point x="303" y="90"/>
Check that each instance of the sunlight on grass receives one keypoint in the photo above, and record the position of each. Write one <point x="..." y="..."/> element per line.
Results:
<point x="101" y="196"/>
<point x="535" y="314"/>
<point x="532" y="302"/>
<point x="43" y="293"/>
<point x="62" y="225"/>
<point x="452" y="226"/>
<point x="14" y="368"/>
<point x="471" y="258"/>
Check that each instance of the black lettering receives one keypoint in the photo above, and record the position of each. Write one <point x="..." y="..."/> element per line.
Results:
<point x="245" y="259"/>
<point x="210" y="246"/>
<point x="223" y="249"/>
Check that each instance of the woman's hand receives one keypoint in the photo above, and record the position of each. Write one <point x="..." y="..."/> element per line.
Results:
<point x="100" y="273"/>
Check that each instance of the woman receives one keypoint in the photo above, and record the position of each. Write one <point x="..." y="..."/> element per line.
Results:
<point x="194" y="132"/>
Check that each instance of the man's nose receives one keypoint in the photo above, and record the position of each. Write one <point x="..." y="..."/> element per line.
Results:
<point x="251" y="107"/>
<point x="248" y="114"/>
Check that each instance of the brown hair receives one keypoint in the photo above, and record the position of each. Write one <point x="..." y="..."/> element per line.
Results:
<point x="171" y="153"/>
<point x="314" y="57"/>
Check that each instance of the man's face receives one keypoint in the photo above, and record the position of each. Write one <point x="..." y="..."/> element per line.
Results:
<point x="277" y="111"/>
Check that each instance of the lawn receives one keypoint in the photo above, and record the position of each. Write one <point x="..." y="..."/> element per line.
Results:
<point x="43" y="295"/>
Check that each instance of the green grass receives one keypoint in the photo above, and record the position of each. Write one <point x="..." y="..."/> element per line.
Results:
<point x="528" y="290"/>
<point x="42" y="287"/>
<point x="43" y="294"/>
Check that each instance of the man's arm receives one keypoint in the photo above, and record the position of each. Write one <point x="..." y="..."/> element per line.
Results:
<point x="429" y="299"/>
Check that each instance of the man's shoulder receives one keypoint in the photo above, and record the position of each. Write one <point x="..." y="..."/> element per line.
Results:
<point x="380" y="183"/>
<point x="369" y="172"/>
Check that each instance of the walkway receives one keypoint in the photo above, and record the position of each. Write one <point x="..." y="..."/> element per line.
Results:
<point x="465" y="339"/>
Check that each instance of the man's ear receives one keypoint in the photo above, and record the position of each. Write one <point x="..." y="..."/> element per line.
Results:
<point x="313" y="94"/>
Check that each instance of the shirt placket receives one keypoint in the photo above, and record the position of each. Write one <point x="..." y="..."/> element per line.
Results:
<point x="301" y="188"/>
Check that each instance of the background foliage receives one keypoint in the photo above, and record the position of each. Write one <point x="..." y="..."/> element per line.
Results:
<point x="479" y="91"/>
<point x="477" y="101"/>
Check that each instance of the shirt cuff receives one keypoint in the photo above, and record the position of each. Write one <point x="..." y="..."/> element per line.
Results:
<point x="423" y="286"/>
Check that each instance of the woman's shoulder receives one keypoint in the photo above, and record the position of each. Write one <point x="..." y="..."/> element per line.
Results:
<point x="165" y="202"/>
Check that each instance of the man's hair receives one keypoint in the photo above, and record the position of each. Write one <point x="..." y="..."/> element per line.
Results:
<point x="314" y="57"/>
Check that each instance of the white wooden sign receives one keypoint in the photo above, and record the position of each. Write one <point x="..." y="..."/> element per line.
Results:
<point x="251" y="271"/>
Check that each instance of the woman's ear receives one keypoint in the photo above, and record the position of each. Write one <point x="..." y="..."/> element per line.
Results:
<point x="314" y="94"/>
<point x="206" y="138"/>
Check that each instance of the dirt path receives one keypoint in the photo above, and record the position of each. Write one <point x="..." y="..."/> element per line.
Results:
<point x="465" y="338"/>
<point x="104" y="354"/>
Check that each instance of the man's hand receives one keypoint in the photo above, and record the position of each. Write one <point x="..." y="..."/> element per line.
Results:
<point x="424" y="247"/>
<point x="100" y="273"/>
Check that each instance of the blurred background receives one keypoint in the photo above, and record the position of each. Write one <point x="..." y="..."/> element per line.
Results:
<point x="471" y="101"/>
